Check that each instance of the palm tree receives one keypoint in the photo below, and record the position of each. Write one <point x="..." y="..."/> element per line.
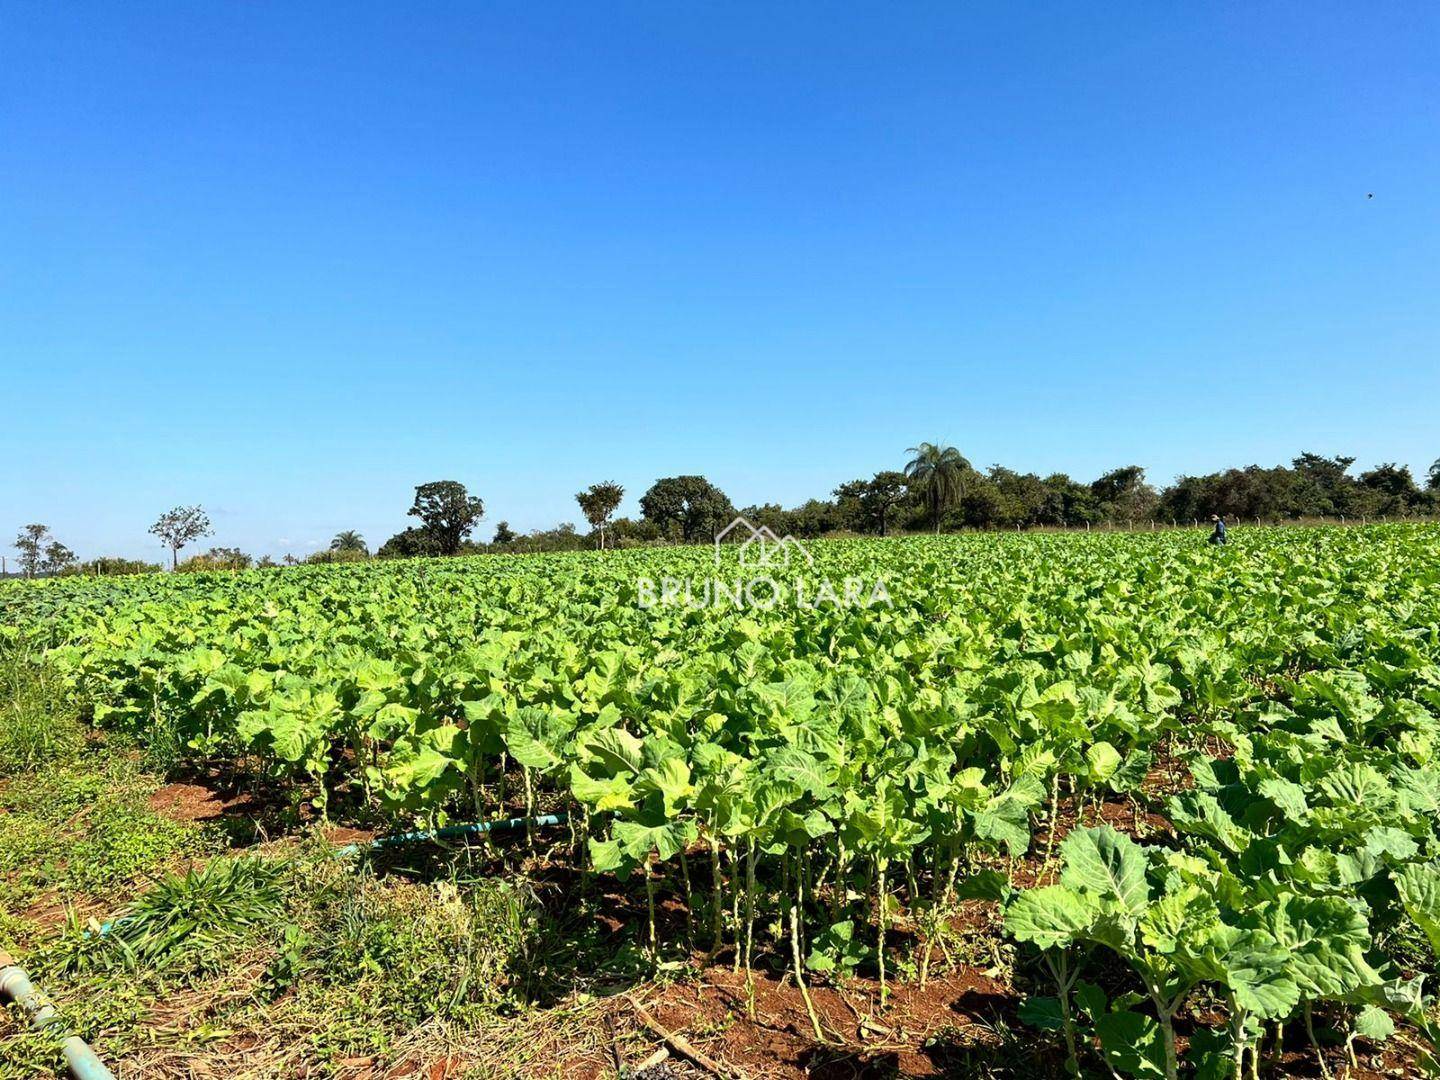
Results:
<point x="349" y="540"/>
<point x="939" y="472"/>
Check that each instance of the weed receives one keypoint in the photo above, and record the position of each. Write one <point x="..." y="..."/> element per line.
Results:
<point x="84" y="828"/>
<point x="187" y="921"/>
<point x="25" y="1053"/>
<point x="16" y="933"/>
<point x="38" y="724"/>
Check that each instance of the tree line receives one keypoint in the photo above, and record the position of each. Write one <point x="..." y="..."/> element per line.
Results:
<point x="937" y="490"/>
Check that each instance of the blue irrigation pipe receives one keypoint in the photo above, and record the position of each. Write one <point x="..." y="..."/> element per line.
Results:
<point x="16" y="986"/>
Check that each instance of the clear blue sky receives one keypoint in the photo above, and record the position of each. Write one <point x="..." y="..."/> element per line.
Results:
<point x="289" y="260"/>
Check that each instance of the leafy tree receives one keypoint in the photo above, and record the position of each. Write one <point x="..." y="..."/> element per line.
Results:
<point x="447" y="512"/>
<point x="630" y="532"/>
<point x="503" y="534"/>
<point x="1395" y="487"/>
<point x="562" y="537"/>
<point x="688" y="505"/>
<point x="348" y="541"/>
<point x="1251" y="492"/>
<point x="57" y="557"/>
<point x="41" y="553"/>
<point x="938" y="473"/>
<point x="180" y="526"/>
<point x="1022" y="498"/>
<point x="1124" y="494"/>
<point x="413" y="543"/>
<point x="1323" y="484"/>
<point x="814" y="517"/>
<point x="30" y="543"/>
<point x="1433" y="479"/>
<point x="868" y="505"/>
<point x="330" y="556"/>
<point x="1068" y="502"/>
<point x="598" y="502"/>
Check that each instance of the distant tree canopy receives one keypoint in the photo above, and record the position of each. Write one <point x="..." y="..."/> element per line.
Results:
<point x="349" y="541"/>
<point x="871" y="505"/>
<point x="1123" y="495"/>
<point x="448" y="514"/>
<point x="40" y="553"/>
<point x="1312" y="486"/>
<point x="413" y="543"/>
<point x="1000" y="498"/>
<point x="181" y="526"/>
<point x="688" y="508"/>
<point x="598" y="502"/>
<point x="938" y="473"/>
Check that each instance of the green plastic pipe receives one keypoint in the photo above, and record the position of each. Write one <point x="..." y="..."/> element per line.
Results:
<point x="449" y="832"/>
<point x="16" y="986"/>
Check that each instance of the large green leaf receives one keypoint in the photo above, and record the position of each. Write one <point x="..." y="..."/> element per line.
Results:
<point x="1051" y="917"/>
<point x="1131" y="1044"/>
<point x="1419" y="888"/>
<point x="1109" y="866"/>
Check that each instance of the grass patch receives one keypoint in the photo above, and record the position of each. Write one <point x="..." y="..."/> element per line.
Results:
<point x="185" y="923"/>
<point x="304" y="963"/>
<point x="38" y="725"/>
<point x="85" y="829"/>
<point x="379" y="957"/>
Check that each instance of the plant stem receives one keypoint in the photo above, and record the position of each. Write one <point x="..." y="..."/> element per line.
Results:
<point x="1310" y="1031"/>
<point x="880" y="929"/>
<point x="796" y="903"/>
<point x="529" y="809"/>
<point x="1165" y="1014"/>
<point x="735" y="903"/>
<point x="1059" y="965"/>
<point x="1238" y="1038"/>
<point x="650" y="910"/>
<point x="749" y="929"/>
<point x="717" y="914"/>
<point x="689" y="902"/>
<point x="1054" y="821"/>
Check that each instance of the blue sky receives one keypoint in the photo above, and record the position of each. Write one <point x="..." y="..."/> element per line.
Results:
<point x="288" y="260"/>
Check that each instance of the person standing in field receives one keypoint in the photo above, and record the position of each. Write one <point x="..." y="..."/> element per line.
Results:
<point x="1218" y="536"/>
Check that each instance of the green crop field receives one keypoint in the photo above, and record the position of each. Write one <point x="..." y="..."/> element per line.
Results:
<point x="1188" y="797"/>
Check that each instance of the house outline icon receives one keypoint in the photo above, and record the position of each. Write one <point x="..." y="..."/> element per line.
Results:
<point x="762" y="549"/>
